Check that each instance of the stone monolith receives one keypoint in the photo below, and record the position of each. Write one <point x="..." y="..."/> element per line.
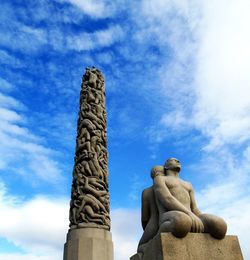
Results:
<point x="89" y="236"/>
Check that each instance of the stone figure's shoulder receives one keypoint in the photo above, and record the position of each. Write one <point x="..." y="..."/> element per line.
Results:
<point x="147" y="192"/>
<point x="159" y="179"/>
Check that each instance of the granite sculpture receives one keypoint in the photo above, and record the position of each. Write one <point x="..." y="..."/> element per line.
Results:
<point x="194" y="246"/>
<point x="89" y="237"/>
<point x="89" y="206"/>
<point x="169" y="206"/>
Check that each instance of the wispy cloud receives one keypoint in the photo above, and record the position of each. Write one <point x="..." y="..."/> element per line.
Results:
<point x="221" y="77"/>
<point x="5" y="86"/>
<point x="126" y="232"/>
<point x="8" y="101"/>
<point x="19" y="256"/>
<point x="19" y="144"/>
<point x="230" y="199"/>
<point x="94" y="40"/>
<point x="206" y="84"/>
<point x="95" y="9"/>
<point x="17" y="31"/>
<point x="30" y="225"/>
<point x="176" y="69"/>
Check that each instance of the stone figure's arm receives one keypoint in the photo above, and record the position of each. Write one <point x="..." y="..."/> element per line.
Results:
<point x="145" y="212"/>
<point x="166" y="199"/>
<point x="193" y="205"/>
<point x="169" y="202"/>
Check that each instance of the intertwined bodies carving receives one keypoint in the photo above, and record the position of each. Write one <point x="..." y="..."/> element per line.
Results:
<point x="90" y="198"/>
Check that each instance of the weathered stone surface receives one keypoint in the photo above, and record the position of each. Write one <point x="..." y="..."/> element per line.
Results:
<point x="88" y="237"/>
<point x="88" y="244"/>
<point x="194" y="246"/>
<point x="89" y="206"/>
<point x="169" y="206"/>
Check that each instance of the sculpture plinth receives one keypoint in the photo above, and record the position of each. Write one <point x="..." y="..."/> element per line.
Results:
<point x="89" y="237"/>
<point x="88" y="244"/>
<point x="194" y="246"/>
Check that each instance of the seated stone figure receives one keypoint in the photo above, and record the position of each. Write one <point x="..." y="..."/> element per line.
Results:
<point x="149" y="211"/>
<point x="173" y="204"/>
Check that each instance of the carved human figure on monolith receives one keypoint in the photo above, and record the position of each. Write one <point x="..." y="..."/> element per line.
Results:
<point x="89" y="205"/>
<point x="171" y="201"/>
<point x="89" y="237"/>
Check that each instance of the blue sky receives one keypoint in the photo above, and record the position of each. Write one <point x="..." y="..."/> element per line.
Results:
<point x="177" y="85"/>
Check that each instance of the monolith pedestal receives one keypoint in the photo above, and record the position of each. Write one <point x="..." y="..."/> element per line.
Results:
<point x="89" y="236"/>
<point x="88" y="244"/>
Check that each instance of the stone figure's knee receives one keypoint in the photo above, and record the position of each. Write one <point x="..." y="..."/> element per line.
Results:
<point x="182" y="223"/>
<point x="214" y="225"/>
<point x="220" y="228"/>
<point x="176" y="222"/>
<point x="182" y="218"/>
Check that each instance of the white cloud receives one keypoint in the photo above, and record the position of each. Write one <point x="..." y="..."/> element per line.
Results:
<point x="206" y="85"/>
<point x="30" y="39"/>
<point x="18" y="256"/>
<point x="24" y="38"/>
<point x="9" y="102"/>
<point x="98" y="39"/>
<point x="9" y="60"/>
<point x="159" y="9"/>
<point x="35" y="159"/>
<point x="175" y="120"/>
<point x="207" y="81"/>
<point x="45" y="168"/>
<point x="105" y="57"/>
<point x="231" y="201"/>
<point x="21" y="151"/>
<point x="4" y="84"/>
<point x="34" y="33"/>
<point x="221" y="78"/>
<point x="37" y="226"/>
<point x="95" y="8"/>
<point x="126" y="231"/>
<point x="226" y="191"/>
<point x="8" y="115"/>
<point x="205" y="78"/>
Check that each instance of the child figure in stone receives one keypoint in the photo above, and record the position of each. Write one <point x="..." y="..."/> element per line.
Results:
<point x="149" y="211"/>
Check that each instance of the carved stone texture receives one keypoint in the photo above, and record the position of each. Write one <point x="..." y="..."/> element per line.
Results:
<point x="89" y="206"/>
<point x="194" y="246"/>
<point x="169" y="206"/>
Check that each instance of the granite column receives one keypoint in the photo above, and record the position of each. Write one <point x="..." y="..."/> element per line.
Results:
<point x="89" y="236"/>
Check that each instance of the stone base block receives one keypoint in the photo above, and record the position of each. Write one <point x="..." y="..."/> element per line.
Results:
<point x="192" y="247"/>
<point x="88" y="244"/>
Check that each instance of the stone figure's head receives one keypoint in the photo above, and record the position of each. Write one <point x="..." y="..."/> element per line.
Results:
<point x="172" y="164"/>
<point x="157" y="170"/>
